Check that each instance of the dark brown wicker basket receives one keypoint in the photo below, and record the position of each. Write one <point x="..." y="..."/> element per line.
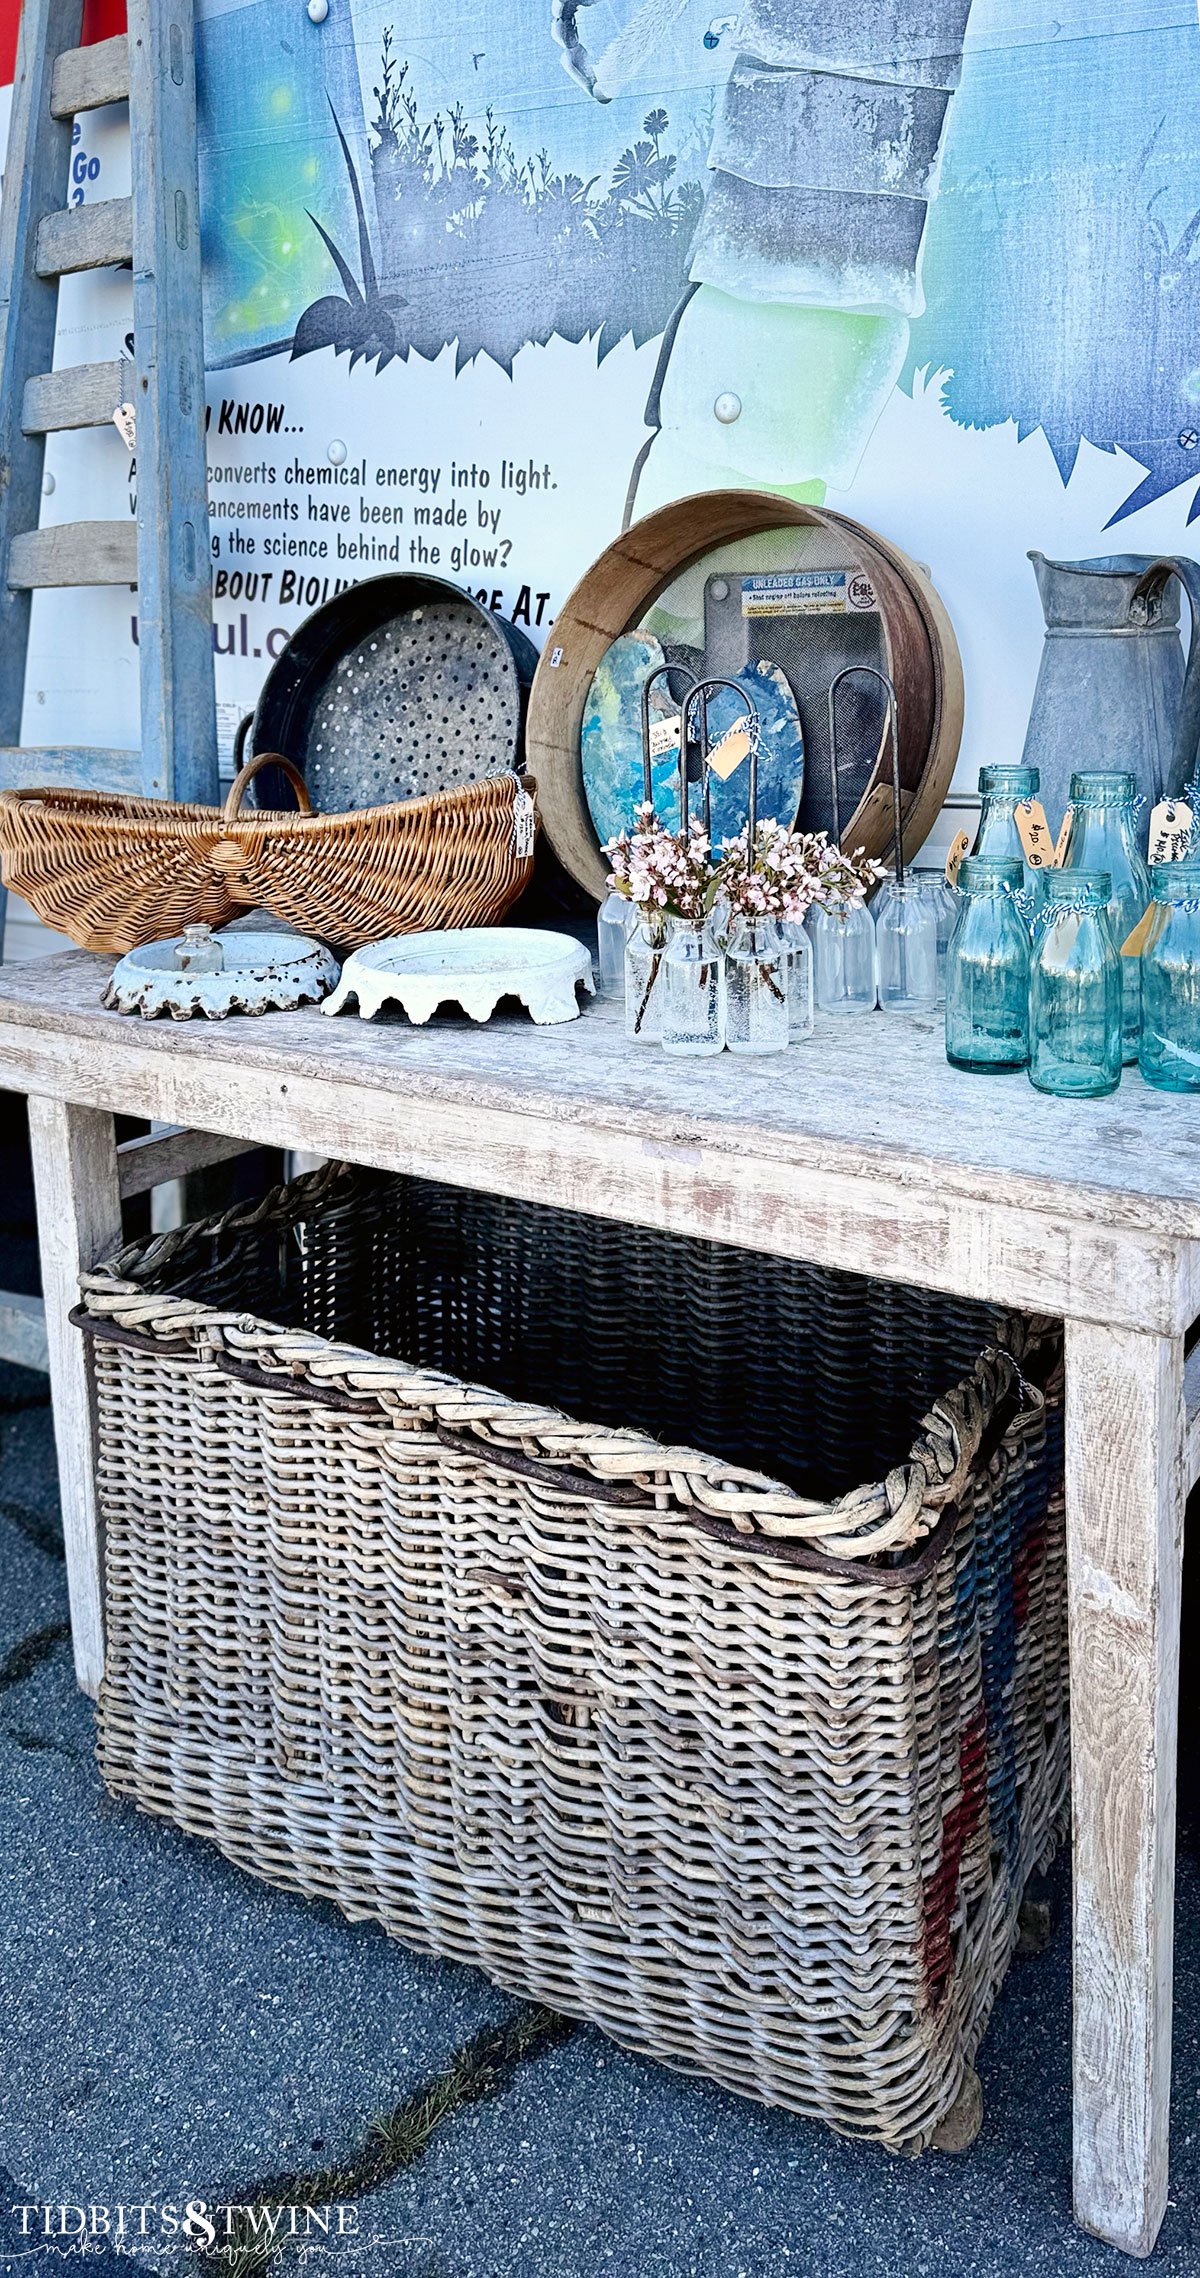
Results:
<point x="743" y="1748"/>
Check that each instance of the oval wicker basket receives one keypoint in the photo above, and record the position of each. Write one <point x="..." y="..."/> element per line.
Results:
<point x="114" y="872"/>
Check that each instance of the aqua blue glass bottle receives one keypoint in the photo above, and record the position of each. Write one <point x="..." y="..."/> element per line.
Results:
<point x="1169" y="1052"/>
<point x="1001" y="790"/>
<point x="1075" y="994"/>
<point x="987" y="972"/>
<point x="1104" y="836"/>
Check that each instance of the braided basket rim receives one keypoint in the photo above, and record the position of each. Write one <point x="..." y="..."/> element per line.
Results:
<point x="899" y="1514"/>
<point x="182" y="820"/>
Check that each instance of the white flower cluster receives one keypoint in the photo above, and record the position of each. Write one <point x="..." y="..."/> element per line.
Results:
<point x="666" y="874"/>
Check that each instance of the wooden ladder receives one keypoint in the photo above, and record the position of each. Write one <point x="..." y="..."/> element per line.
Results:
<point x="43" y="238"/>
<point x="166" y="554"/>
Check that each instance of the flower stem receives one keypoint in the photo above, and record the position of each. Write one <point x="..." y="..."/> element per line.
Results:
<point x="655" y="962"/>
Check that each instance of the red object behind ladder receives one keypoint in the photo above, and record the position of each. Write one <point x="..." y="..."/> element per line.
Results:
<point x="101" y="18"/>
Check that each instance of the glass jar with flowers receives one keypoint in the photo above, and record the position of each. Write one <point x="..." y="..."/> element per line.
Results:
<point x="677" y="1001"/>
<point x="763" y="886"/>
<point x="770" y="888"/>
<point x="845" y="969"/>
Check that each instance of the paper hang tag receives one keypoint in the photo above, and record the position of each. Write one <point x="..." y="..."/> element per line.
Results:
<point x="1170" y="830"/>
<point x="1060" y="844"/>
<point x="1135" y="942"/>
<point x="524" y="826"/>
<point x="1034" y="833"/>
<point x="954" y="859"/>
<point x="726" y="757"/>
<point x="664" y="736"/>
<point x="125" y="422"/>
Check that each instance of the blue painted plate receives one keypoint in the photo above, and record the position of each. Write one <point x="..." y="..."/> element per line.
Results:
<point x="611" y="744"/>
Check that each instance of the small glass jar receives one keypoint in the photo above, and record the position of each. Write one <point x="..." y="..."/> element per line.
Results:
<point x="987" y="972"/>
<point x="615" y="917"/>
<point x="199" y="951"/>
<point x="693" y="993"/>
<point x="843" y="946"/>
<point x="946" y="905"/>
<point x="1001" y="792"/>
<point x="756" y="990"/>
<point x="906" y="950"/>
<point x="799" y="982"/>
<point x="1075" y="993"/>
<point x="1169" y="1051"/>
<point x="645" y="956"/>
<point x="1104" y="836"/>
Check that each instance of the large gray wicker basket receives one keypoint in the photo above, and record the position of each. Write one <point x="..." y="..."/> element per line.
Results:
<point x="741" y="1758"/>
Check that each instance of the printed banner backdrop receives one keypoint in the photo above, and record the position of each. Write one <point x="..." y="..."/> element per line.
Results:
<point x="941" y="255"/>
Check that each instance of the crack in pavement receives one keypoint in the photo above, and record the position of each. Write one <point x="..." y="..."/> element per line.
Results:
<point x="394" y="2141"/>
<point x="29" y="1653"/>
<point x="37" y="1744"/>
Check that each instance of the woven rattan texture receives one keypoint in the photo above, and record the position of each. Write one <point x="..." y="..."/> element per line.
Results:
<point x="115" y="872"/>
<point x="602" y="1716"/>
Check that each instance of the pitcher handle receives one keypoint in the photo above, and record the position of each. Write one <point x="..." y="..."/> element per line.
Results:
<point x="1185" y="758"/>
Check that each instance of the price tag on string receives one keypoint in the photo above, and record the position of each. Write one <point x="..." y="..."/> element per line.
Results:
<point x="1034" y="833"/>
<point x="1135" y="942"/>
<point x="125" y="422"/>
<point x="726" y="757"/>
<point x="1064" y="833"/>
<point x="1170" y="830"/>
<point x="954" y="860"/>
<point x="664" y="736"/>
<point x="524" y="824"/>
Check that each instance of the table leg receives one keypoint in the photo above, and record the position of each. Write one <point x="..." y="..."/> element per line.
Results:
<point x="79" y="1222"/>
<point x="1125" y="1501"/>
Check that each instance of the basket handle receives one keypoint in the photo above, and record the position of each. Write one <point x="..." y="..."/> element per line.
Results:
<point x="232" y="807"/>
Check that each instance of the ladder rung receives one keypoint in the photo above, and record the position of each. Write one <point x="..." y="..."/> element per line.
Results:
<point x="75" y="553"/>
<point x="85" y="77"/>
<point x="84" y="395"/>
<point x="43" y="767"/>
<point x="85" y="237"/>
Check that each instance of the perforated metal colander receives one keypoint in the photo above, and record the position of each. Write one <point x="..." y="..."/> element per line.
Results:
<point x="399" y="687"/>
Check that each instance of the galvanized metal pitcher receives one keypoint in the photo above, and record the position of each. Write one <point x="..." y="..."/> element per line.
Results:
<point x="1112" y="689"/>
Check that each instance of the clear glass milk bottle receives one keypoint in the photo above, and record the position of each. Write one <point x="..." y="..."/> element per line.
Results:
<point x="1104" y="836"/>
<point x="1169" y="1051"/>
<point x="693" y="993"/>
<point x="756" y="989"/>
<point x="1075" y="997"/>
<point x="906" y="949"/>
<point x="799" y="982"/>
<point x="845" y="976"/>
<point x="645" y="956"/>
<point x="615" y="917"/>
<point x="987" y="972"/>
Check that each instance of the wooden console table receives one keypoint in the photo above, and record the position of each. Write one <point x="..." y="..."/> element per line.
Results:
<point x="861" y="1149"/>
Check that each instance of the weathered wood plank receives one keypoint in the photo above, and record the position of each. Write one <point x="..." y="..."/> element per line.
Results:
<point x="161" y="1156"/>
<point x="86" y="77"/>
<point x="75" y="553"/>
<point x="1191" y="1395"/>
<point x="99" y="236"/>
<point x="23" y="1330"/>
<point x="37" y="173"/>
<point x="32" y="767"/>
<point x="83" y="395"/>
<point x="79" y="1222"/>
<point x="572" y="1116"/>
<point x="175" y="654"/>
<point x="1125" y="1501"/>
